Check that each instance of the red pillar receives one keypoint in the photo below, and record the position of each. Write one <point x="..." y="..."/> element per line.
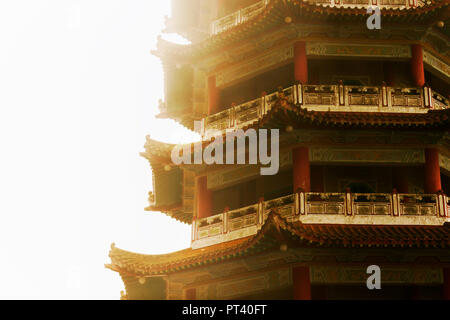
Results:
<point x="417" y="70"/>
<point x="400" y="179"/>
<point x="191" y="294"/>
<point x="204" y="198"/>
<point x="301" y="283"/>
<point x="446" y="286"/>
<point x="300" y="62"/>
<point x="213" y="96"/>
<point x="301" y="169"/>
<point x="432" y="171"/>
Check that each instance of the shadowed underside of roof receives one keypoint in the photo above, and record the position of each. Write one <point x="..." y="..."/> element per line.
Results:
<point x="277" y="231"/>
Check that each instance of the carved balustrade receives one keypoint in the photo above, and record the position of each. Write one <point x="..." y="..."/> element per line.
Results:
<point x="246" y="221"/>
<point x="238" y="17"/>
<point x="331" y="203"/>
<point x="241" y="218"/>
<point x="247" y="13"/>
<point x="211" y="226"/>
<point x="382" y="4"/>
<point x="438" y="101"/>
<point x="413" y="204"/>
<point x="330" y="98"/>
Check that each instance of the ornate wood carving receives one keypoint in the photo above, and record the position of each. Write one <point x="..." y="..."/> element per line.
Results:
<point x="367" y="156"/>
<point x="255" y="65"/>
<point x="357" y="50"/>
<point x="229" y="289"/>
<point x="444" y="162"/>
<point x="358" y="275"/>
<point x="436" y="63"/>
<point x="238" y="174"/>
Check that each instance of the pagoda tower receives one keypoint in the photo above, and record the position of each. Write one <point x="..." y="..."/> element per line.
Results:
<point x="360" y="99"/>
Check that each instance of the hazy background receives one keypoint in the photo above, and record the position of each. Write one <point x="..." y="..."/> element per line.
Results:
<point x="78" y="94"/>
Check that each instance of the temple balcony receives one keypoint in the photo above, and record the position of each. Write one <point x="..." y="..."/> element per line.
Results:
<point x="242" y="15"/>
<point x="335" y="98"/>
<point x="238" y="17"/>
<point x="324" y="208"/>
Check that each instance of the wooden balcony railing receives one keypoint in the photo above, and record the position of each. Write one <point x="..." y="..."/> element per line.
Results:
<point x="394" y="208"/>
<point x="331" y="98"/>
<point x="382" y="4"/>
<point x="238" y="17"/>
<point x="245" y="14"/>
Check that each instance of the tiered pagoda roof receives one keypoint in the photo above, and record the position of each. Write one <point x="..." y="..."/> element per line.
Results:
<point x="310" y="12"/>
<point x="277" y="231"/>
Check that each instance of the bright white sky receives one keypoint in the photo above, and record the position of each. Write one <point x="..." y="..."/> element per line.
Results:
<point x="78" y="94"/>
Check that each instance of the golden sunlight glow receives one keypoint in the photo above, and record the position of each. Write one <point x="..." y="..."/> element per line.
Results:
<point x="81" y="83"/>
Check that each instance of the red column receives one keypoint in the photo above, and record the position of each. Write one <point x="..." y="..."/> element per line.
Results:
<point x="417" y="65"/>
<point x="400" y="179"/>
<point x="191" y="294"/>
<point x="432" y="171"/>
<point x="204" y="198"/>
<point x="213" y="96"/>
<point x="301" y="169"/>
<point x="446" y="286"/>
<point x="301" y="283"/>
<point x="300" y="62"/>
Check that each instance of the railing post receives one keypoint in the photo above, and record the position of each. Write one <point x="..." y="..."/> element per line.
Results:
<point x="341" y="93"/>
<point x="264" y="104"/>
<point x="232" y="116"/>
<point x="194" y="231"/>
<point x="389" y="96"/>
<point x="299" y="89"/>
<point x="395" y="203"/>
<point x="384" y="96"/>
<point x="348" y="202"/>
<point x="261" y="211"/>
<point x="413" y="3"/>
<point x="300" y="202"/>
<point x="427" y="97"/>
<point x="446" y="207"/>
<point x="442" y="204"/>
<point x="294" y="92"/>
